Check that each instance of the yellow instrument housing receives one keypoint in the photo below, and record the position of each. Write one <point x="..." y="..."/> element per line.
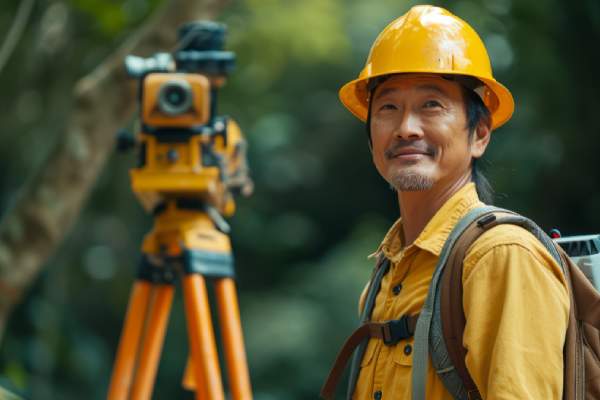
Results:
<point x="199" y="112"/>
<point x="174" y="143"/>
<point x="162" y="178"/>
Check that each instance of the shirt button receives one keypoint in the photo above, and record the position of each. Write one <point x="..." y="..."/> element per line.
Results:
<point x="377" y="395"/>
<point x="396" y="289"/>
<point x="407" y="349"/>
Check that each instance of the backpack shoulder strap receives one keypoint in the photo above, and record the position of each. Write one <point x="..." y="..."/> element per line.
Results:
<point x="449" y="318"/>
<point x="381" y="268"/>
<point x="390" y="332"/>
<point x="448" y="354"/>
<point x="423" y="331"/>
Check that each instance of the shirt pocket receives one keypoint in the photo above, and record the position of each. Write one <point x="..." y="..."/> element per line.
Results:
<point x="398" y="377"/>
<point x="403" y="353"/>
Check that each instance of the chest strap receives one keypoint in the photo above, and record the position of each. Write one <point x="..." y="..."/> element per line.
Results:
<point x="391" y="332"/>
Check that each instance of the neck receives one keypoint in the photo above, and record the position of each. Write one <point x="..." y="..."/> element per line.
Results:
<point x="418" y="207"/>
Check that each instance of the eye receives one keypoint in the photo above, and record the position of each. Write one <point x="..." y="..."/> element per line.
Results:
<point x="387" y="106"/>
<point x="431" y="104"/>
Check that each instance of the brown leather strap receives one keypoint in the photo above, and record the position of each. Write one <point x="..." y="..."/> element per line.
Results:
<point x="587" y="304"/>
<point x="451" y="306"/>
<point x="574" y="386"/>
<point x="380" y="330"/>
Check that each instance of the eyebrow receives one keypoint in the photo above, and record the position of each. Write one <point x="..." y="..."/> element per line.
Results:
<point x="424" y="87"/>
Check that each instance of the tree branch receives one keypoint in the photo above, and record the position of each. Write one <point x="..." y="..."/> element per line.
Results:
<point x="16" y="31"/>
<point x="49" y="203"/>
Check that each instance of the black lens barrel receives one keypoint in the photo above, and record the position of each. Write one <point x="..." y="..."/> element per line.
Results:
<point x="175" y="97"/>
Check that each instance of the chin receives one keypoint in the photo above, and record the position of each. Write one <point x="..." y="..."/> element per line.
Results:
<point x="411" y="182"/>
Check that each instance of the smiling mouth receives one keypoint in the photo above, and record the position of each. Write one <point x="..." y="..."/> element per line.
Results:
<point x="408" y="153"/>
<point x="405" y="149"/>
<point x="411" y="153"/>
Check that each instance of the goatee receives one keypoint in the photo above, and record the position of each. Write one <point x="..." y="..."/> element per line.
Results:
<point x="410" y="182"/>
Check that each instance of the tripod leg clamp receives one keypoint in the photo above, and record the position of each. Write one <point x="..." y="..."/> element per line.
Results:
<point x="208" y="264"/>
<point x="163" y="274"/>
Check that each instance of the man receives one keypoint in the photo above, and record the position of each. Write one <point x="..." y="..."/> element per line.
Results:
<point x="430" y="103"/>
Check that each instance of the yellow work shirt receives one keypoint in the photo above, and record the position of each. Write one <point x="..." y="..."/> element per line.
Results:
<point x="516" y="306"/>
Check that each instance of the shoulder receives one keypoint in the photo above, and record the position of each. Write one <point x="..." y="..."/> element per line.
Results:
<point x="505" y="235"/>
<point x="506" y="247"/>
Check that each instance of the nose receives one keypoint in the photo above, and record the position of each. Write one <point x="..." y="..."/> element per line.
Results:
<point x="409" y="126"/>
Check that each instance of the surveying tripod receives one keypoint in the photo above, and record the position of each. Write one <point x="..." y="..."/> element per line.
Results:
<point x="184" y="242"/>
<point x="191" y="163"/>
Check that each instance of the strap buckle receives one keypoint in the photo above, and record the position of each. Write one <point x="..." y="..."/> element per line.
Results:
<point x="395" y="330"/>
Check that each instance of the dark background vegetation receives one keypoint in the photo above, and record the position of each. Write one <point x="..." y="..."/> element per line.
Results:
<point x="301" y="241"/>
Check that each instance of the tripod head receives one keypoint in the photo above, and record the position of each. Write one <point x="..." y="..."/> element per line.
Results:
<point x="187" y="153"/>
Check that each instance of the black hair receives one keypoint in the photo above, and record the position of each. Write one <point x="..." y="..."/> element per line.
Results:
<point x="476" y="113"/>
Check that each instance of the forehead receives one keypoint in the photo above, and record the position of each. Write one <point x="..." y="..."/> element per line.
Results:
<point x="415" y="83"/>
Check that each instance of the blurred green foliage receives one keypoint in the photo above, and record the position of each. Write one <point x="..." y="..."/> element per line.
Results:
<point x="319" y="209"/>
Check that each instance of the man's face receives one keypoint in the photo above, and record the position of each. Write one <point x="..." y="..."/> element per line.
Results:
<point x="419" y="132"/>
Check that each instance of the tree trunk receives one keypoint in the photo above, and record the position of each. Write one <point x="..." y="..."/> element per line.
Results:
<point x="49" y="203"/>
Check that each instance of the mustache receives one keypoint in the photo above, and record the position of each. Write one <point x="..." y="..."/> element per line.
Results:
<point x="399" y="145"/>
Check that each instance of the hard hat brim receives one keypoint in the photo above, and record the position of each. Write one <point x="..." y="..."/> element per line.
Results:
<point x="354" y="96"/>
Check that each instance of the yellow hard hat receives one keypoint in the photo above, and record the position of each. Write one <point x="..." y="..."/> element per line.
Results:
<point x="429" y="39"/>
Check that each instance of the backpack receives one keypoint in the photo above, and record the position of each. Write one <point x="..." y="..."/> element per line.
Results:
<point x="438" y="329"/>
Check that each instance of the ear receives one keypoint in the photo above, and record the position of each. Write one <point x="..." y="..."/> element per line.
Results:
<point x="481" y="139"/>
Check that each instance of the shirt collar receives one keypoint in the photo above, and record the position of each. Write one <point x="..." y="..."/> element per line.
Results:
<point x="437" y="230"/>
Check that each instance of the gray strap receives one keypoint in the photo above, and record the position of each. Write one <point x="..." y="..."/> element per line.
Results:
<point x="536" y="231"/>
<point x="383" y="268"/>
<point x="424" y="325"/>
<point x="420" y="346"/>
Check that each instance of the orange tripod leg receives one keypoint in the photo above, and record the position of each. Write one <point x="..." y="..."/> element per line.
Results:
<point x="202" y="339"/>
<point x="151" y="347"/>
<point x="120" y="382"/>
<point x="233" y="341"/>
<point x="189" y="377"/>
